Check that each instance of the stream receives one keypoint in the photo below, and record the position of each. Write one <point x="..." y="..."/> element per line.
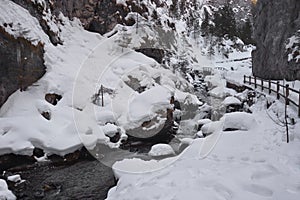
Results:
<point x="91" y="179"/>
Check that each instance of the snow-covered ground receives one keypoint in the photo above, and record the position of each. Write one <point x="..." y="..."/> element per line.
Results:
<point x="76" y="70"/>
<point x="254" y="162"/>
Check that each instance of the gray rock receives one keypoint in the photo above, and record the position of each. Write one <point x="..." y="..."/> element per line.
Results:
<point x="274" y="22"/>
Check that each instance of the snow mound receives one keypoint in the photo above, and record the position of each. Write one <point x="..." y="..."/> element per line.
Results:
<point x="5" y="194"/>
<point x="239" y="121"/>
<point x="212" y="127"/>
<point x="161" y="150"/>
<point x="203" y="121"/>
<point x="221" y="92"/>
<point x="110" y="129"/>
<point x="231" y="101"/>
<point x="14" y="178"/>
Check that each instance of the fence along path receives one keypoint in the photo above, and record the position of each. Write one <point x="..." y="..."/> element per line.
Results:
<point x="290" y="95"/>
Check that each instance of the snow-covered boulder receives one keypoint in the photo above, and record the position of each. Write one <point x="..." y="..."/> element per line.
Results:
<point x="161" y="150"/>
<point x="4" y="192"/>
<point x="14" y="178"/>
<point x="210" y="128"/>
<point x="239" y="121"/>
<point x="231" y="101"/>
<point x="203" y="121"/>
<point x="221" y="91"/>
<point x="110" y="130"/>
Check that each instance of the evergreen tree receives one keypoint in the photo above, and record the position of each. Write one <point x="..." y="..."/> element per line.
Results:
<point x="205" y="26"/>
<point x="225" y="22"/>
<point x="245" y="32"/>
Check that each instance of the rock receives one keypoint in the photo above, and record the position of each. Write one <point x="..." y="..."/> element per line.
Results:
<point x="38" y="152"/>
<point x="53" y="98"/>
<point x="274" y="22"/>
<point x="156" y="54"/>
<point x="21" y="64"/>
<point x="46" y="115"/>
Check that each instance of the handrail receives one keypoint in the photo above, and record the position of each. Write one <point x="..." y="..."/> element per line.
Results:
<point x="286" y="90"/>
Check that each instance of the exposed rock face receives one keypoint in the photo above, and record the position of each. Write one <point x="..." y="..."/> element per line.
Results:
<point x="21" y="64"/>
<point x="98" y="16"/>
<point x="36" y="10"/>
<point x="274" y="22"/>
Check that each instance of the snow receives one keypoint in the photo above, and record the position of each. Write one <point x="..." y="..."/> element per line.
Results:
<point x="211" y="127"/>
<point x="251" y="164"/>
<point x="161" y="150"/>
<point x="76" y="70"/>
<point x="5" y="194"/>
<point x="203" y="121"/>
<point x="25" y="26"/>
<point x="14" y="178"/>
<point x="110" y="129"/>
<point x="231" y="101"/>
<point x="239" y="120"/>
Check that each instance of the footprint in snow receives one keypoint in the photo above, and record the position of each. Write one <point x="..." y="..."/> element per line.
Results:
<point x="258" y="190"/>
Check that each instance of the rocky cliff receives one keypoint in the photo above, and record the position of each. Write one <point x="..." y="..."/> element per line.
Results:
<point x="276" y="23"/>
<point x="21" y="64"/>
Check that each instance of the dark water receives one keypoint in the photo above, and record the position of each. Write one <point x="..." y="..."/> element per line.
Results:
<point x="82" y="180"/>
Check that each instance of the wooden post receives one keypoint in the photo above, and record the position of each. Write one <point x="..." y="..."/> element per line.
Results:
<point x="102" y="96"/>
<point x="249" y="80"/>
<point x="255" y="85"/>
<point x="278" y="88"/>
<point x="244" y="78"/>
<point x="287" y="93"/>
<point x="262" y="84"/>
<point x="299" y="105"/>
<point x="270" y="89"/>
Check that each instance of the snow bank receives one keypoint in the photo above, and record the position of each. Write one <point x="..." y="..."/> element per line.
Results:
<point x="239" y="121"/>
<point x="231" y="101"/>
<point x="5" y="194"/>
<point x="211" y="127"/>
<point x="161" y="150"/>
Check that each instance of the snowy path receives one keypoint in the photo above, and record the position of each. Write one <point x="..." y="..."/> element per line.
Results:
<point x="254" y="164"/>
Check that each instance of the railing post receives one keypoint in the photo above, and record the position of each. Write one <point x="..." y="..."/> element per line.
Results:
<point x="102" y="96"/>
<point x="287" y="93"/>
<point x="244" y="78"/>
<point x="270" y="89"/>
<point x="262" y="84"/>
<point x="249" y="80"/>
<point x="278" y="88"/>
<point x="255" y="85"/>
<point x="299" y="105"/>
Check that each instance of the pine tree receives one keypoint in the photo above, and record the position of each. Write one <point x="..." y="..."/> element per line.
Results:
<point x="205" y="27"/>
<point x="225" y="23"/>
<point x="245" y="32"/>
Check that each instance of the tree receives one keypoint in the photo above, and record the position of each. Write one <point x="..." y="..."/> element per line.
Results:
<point x="245" y="32"/>
<point x="205" y="26"/>
<point x="224" y="21"/>
<point x="174" y="9"/>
